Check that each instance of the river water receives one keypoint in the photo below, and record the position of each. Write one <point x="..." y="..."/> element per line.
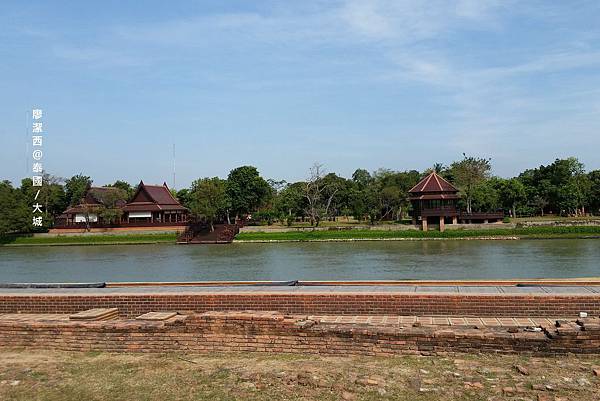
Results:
<point x="369" y="260"/>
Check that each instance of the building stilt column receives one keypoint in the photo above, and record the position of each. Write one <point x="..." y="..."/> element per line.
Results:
<point x="424" y="223"/>
<point x="442" y="224"/>
<point x="454" y="220"/>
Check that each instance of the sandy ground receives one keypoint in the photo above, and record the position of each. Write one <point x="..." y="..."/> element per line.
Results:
<point x="45" y="375"/>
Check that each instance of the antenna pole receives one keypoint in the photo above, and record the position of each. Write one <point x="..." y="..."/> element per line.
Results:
<point x="173" y="165"/>
<point x="27" y="155"/>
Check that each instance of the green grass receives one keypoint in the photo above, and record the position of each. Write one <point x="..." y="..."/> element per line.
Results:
<point x="532" y="232"/>
<point x="170" y="238"/>
<point x="90" y="239"/>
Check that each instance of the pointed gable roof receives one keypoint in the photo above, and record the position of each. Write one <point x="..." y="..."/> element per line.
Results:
<point x="153" y="197"/>
<point x="94" y="198"/>
<point x="433" y="183"/>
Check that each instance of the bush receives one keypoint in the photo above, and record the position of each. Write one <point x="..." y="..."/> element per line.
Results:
<point x="264" y="217"/>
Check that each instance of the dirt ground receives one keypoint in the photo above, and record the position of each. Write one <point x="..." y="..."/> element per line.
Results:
<point x="44" y="375"/>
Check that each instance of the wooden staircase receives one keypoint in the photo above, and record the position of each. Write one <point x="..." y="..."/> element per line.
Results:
<point x="199" y="233"/>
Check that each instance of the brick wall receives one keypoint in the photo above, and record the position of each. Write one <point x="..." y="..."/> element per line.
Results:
<point x="274" y="332"/>
<point x="339" y="304"/>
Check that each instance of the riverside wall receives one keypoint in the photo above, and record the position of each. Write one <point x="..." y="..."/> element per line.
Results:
<point x="310" y="303"/>
<point x="275" y="332"/>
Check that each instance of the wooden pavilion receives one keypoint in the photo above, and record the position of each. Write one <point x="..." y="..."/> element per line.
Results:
<point x="435" y="202"/>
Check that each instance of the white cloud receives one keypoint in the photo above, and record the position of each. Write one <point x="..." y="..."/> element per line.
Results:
<point x="414" y="20"/>
<point x="487" y="94"/>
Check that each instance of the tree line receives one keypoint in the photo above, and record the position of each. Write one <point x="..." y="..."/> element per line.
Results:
<point x="562" y="188"/>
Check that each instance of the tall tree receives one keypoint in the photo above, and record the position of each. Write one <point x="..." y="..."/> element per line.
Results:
<point x="319" y="193"/>
<point x="15" y="212"/>
<point x="184" y="196"/>
<point x="562" y="186"/>
<point x="247" y="190"/>
<point x="111" y="200"/>
<point x="361" y="178"/>
<point x="209" y="199"/>
<point x="125" y="187"/>
<point x="512" y="193"/>
<point x="290" y="202"/>
<point x="594" y="192"/>
<point x="468" y="173"/>
<point x="51" y="196"/>
<point x="76" y="187"/>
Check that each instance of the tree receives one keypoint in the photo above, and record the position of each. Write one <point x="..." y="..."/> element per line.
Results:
<point x="563" y="186"/>
<point x="319" y="193"/>
<point x="209" y="199"/>
<point x="438" y="168"/>
<point x="247" y="190"/>
<point x="540" y="203"/>
<point x="15" y="213"/>
<point x="486" y="195"/>
<point x="580" y="183"/>
<point x="184" y="196"/>
<point x="469" y="172"/>
<point x="76" y="187"/>
<point x="51" y="196"/>
<point x="512" y="193"/>
<point x="361" y="178"/>
<point x="110" y="212"/>
<point x="290" y="202"/>
<point x="125" y="187"/>
<point x="594" y="192"/>
<point x="335" y="189"/>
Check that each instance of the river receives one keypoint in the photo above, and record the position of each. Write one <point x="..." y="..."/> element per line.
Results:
<point x="369" y="260"/>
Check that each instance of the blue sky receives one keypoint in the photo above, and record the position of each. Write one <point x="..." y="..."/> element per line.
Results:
<point x="281" y="85"/>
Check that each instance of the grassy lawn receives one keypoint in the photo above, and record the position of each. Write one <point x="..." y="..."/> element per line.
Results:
<point x="108" y="239"/>
<point x="90" y="239"/>
<point x="62" y="376"/>
<point x="531" y="232"/>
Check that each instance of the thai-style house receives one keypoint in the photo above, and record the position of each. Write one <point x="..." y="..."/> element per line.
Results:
<point x="435" y="202"/>
<point x="154" y="204"/>
<point x="89" y="207"/>
<point x="150" y="206"/>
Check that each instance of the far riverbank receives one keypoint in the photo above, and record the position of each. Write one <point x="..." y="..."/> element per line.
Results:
<point x="330" y="235"/>
<point x="89" y="239"/>
<point x="374" y="235"/>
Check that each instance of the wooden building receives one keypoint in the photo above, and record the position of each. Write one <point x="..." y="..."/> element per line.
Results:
<point x="150" y="206"/>
<point x="435" y="202"/>
<point x="87" y="210"/>
<point x="154" y="204"/>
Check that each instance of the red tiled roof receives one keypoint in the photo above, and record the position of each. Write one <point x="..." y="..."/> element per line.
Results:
<point x="154" y="197"/>
<point x="161" y="194"/>
<point x="433" y="183"/>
